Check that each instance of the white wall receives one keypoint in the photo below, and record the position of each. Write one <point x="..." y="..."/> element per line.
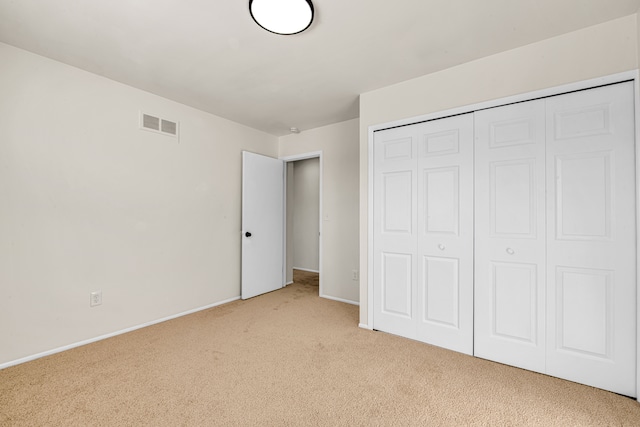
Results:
<point x="91" y="202"/>
<point x="306" y="214"/>
<point x="339" y="146"/>
<point x="596" y="51"/>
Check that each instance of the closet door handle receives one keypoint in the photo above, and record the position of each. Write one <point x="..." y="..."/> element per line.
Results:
<point x="442" y="247"/>
<point x="248" y="234"/>
<point x="510" y="251"/>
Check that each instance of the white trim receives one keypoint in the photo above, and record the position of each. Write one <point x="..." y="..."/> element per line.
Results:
<point x="636" y="94"/>
<point x="363" y="326"/>
<point x="285" y="178"/>
<point x="304" y="156"/>
<point x="294" y="158"/>
<point x="346" y="301"/>
<point x="305" y="269"/>
<point x="370" y="230"/>
<point x="289" y="283"/>
<point x="556" y="90"/>
<point x="112" y="334"/>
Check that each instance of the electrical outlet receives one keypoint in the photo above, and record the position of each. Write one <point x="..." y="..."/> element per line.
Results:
<point x="95" y="298"/>
<point x="355" y="275"/>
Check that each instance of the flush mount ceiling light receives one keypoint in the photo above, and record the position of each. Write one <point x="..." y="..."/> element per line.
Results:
<point x="282" y="16"/>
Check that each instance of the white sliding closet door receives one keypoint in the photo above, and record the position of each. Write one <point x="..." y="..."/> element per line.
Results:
<point x="555" y="273"/>
<point x="395" y="235"/>
<point x="423" y="232"/>
<point x="510" y="235"/>
<point x="591" y="255"/>
<point x="445" y="233"/>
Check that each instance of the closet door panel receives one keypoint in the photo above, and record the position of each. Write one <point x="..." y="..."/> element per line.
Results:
<point x="445" y="233"/>
<point x="513" y="201"/>
<point x="514" y="290"/>
<point x="395" y="231"/>
<point x="581" y="216"/>
<point x="510" y="238"/>
<point x="440" y="292"/>
<point x="591" y="278"/>
<point x="441" y="198"/>
<point x="395" y="284"/>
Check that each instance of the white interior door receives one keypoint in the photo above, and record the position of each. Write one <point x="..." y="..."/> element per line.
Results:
<point x="445" y="233"/>
<point x="591" y="254"/>
<point x="395" y="233"/>
<point x="262" y="224"/>
<point x="510" y="235"/>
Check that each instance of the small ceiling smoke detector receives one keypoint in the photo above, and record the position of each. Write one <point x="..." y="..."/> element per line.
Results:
<point x="294" y="130"/>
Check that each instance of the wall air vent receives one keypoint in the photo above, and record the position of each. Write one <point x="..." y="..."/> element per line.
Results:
<point x="159" y="125"/>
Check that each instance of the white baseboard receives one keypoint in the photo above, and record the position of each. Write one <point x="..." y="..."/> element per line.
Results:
<point x="109" y="335"/>
<point x="340" y="300"/>
<point x="289" y="283"/>
<point x="365" y="326"/>
<point x="305" y="269"/>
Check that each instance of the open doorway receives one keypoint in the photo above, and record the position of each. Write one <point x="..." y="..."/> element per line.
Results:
<point x="303" y="213"/>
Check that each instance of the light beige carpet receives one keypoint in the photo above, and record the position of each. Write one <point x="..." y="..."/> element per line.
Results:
<point x="289" y="358"/>
<point x="306" y="278"/>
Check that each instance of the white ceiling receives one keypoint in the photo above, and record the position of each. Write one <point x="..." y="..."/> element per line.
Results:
<point x="209" y="54"/>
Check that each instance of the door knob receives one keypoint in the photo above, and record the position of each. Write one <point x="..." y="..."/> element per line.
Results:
<point x="247" y="234"/>
<point x="510" y="251"/>
<point x="441" y="247"/>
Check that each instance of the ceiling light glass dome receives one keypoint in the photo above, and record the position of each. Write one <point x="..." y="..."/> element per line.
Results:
<point x="282" y="16"/>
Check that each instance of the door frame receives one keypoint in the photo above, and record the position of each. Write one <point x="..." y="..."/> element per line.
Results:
<point x="633" y="75"/>
<point x="295" y="158"/>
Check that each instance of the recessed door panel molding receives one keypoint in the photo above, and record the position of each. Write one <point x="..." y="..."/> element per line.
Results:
<point x="398" y="202"/>
<point x="395" y="150"/>
<point x="583" y="196"/>
<point x="514" y="304"/>
<point x="583" y="122"/>
<point x="516" y="131"/>
<point x="584" y="311"/>
<point x="396" y="284"/>
<point x="441" y="198"/>
<point x="439" y="143"/>
<point x="509" y="237"/>
<point x="513" y="198"/>
<point x="441" y="299"/>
